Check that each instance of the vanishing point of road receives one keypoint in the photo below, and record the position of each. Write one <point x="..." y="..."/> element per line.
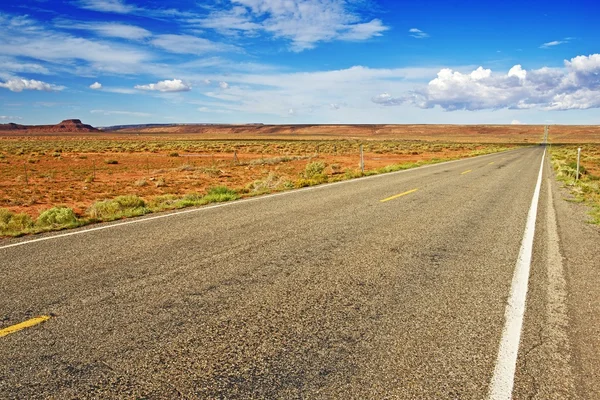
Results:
<point x="472" y="279"/>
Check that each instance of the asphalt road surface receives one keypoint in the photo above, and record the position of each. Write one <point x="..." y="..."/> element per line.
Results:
<point x="389" y="287"/>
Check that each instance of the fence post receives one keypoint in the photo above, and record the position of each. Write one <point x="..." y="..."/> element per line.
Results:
<point x="578" y="157"/>
<point x="362" y="160"/>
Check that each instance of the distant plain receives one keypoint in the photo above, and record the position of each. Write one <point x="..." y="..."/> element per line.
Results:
<point x="162" y="165"/>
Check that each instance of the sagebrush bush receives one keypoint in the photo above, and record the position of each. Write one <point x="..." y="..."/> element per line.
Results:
<point x="14" y="224"/>
<point x="119" y="207"/>
<point x="162" y="202"/>
<point x="220" y="193"/>
<point x="314" y="169"/>
<point x="57" y="216"/>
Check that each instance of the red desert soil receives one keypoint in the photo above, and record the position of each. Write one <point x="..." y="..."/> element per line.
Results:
<point x="41" y="167"/>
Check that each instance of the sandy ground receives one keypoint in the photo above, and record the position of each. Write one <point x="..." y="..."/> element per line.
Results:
<point x="41" y="170"/>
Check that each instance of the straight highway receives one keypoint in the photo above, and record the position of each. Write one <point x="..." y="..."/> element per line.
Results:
<point x="394" y="286"/>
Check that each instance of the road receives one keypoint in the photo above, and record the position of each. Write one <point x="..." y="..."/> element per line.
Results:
<point x="393" y="286"/>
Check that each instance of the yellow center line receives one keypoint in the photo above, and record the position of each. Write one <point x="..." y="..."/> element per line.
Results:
<point x="491" y="163"/>
<point x="398" y="195"/>
<point x="466" y="172"/>
<point x="27" y="324"/>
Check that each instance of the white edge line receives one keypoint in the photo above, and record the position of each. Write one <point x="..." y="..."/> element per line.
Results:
<point x="232" y="203"/>
<point x="501" y="385"/>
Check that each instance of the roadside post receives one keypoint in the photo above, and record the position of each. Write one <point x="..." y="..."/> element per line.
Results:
<point x="578" y="158"/>
<point x="362" y="160"/>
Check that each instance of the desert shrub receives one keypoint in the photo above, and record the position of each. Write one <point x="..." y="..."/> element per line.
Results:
<point x="270" y="183"/>
<point x="302" y="182"/>
<point x="141" y="183"/>
<point x="166" y="201"/>
<point x="314" y="170"/>
<point x="174" y="154"/>
<point x="111" y="162"/>
<point x="119" y="207"/>
<point x="219" y="194"/>
<point x="14" y="224"/>
<point x="351" y="174"/>
<point x="57" y="217"/>
<point x="192" y="199"/>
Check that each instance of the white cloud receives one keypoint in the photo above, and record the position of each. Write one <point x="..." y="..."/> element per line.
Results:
<point x="418" y="34"/>
<point x="12" y="65"/>
<point x="20" y="84"/>
<point x="554" y="43"/>
<point x="223" y="85"/>
<point x="130" y="113"/>
<point x="7" y="117"/>
<point x="121" y="7"/>
<point x="96" y="86"/>
<point x="107" y="29"/>
<point x="576" y="86"/>
<point x="24" y="37"/>
<point x="186" y="44"/>
<point x="516" y="122"/>
<point x="310" y="94"/>
<point x="175" y="85"/>
<point x="303" y="22"/>
<point x="112" y="6"/>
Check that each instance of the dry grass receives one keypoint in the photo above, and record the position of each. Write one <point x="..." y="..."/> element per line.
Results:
<point x="587" y="187"/>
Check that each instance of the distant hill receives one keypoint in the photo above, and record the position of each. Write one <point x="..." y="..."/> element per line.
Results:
<point x="68" y="125"/>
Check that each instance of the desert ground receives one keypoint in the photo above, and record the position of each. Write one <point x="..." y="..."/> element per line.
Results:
<point x="45" y="168"/>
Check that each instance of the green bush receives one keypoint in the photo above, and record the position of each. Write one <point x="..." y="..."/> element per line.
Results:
<point x="14" y="224"/>
<point x="314" y="170"/>
<point x="57" y="217"/>
<point x="119" y="207"/>
<point x="192" y="199"/>
<point x="220" y="193"/>
<point x="166" y="201"/>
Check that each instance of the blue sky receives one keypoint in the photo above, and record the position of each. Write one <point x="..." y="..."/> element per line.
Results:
<point x="111" y="62"/>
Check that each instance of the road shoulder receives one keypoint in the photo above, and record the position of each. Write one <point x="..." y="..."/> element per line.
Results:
<point x="579" y="242"/>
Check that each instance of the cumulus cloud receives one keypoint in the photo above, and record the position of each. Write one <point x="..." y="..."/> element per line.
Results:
<point x="516" y="122"/>
<point x="576" y="86"/>
<point x="9" y="117"/>
<point x="418" y="34"/>
<point x="96" y="86"/>
<point x="175" y="85"/>
<point x="224" y="85"/>
<point x="303" y="22"/>
<point x="20" y="84"/>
